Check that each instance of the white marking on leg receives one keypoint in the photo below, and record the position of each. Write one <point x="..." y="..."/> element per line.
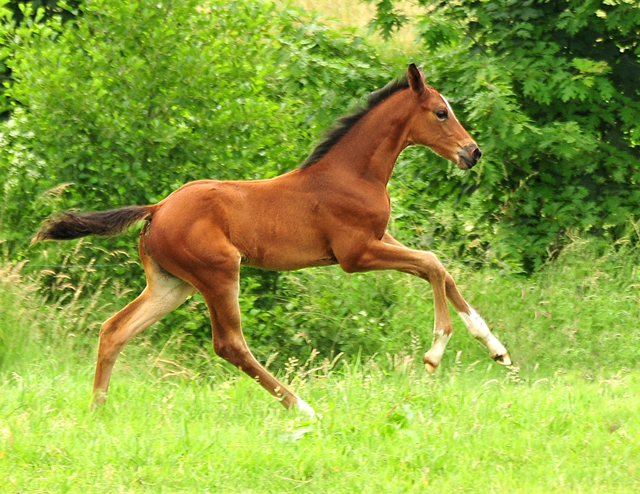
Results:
<point x="434" y="356"/>
<point x="479" y="330"/>
<point x="304" y="408"/>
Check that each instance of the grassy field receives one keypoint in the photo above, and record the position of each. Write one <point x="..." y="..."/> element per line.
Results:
<point x="467" y="430"/>
<point x="564" y="418"/>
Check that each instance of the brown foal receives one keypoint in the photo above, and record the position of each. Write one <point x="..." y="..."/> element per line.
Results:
<point x="333" y="209"/>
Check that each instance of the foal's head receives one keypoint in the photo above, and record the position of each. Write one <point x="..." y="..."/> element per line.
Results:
<point x="434" y="124"/>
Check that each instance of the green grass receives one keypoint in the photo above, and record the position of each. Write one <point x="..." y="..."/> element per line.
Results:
<point x="396" y="431"/>
<point x="564" y="418"/>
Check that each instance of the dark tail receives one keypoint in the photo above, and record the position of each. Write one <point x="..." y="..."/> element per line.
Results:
<point x="68" y="225"/>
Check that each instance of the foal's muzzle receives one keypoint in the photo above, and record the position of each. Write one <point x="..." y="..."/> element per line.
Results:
<point x="468" y="156"/>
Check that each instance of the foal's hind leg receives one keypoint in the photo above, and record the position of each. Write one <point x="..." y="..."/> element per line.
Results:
<point x="220" y="288"/>
<point x="163" y="294"/>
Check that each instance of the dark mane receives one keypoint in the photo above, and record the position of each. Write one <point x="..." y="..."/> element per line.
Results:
<point x="346" y="123"/>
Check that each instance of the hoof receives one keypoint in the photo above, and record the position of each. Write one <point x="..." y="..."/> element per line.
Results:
<point x="503" y="359"/>
<point x="304" y="408"/>
<point x="98" y="401"/>
<point x="429" y="367"/>
<point x="96" y="405"/>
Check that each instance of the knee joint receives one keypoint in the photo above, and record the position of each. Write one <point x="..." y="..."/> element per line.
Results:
<point x="107" y="328"/>
<point x="436" y="270"/>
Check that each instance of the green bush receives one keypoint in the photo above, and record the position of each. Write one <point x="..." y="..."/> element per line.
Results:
<point x="133" y="99"/>
<point x="130" y="100"/>
<point x="550" y="91"/>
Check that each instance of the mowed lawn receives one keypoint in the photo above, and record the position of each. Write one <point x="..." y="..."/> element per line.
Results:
<point x="382" y="428"/>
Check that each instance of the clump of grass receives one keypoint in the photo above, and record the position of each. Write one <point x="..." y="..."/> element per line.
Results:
<point x="580" y="311"/>
<point x="46" y="314"/>
<point x="16" y="335"/>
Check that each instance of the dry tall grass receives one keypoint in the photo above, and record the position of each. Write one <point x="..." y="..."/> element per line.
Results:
<point x="358" y="14"/>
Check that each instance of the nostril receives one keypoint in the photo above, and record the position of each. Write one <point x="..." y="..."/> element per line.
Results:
<point x="477" y="154"/>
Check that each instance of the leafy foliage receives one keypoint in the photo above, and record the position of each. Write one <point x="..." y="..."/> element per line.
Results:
<point x="131" y="100"/>
<point x="26" y="13"/>
<point x="136" y="99"/>
<point x="551" y="91"/>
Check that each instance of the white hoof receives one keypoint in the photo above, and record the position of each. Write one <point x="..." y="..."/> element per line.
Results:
<point x="304" y="408"/>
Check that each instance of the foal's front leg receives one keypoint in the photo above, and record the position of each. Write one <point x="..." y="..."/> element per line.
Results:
<point x="391" y="254"/>
<point x="472" y="321"/>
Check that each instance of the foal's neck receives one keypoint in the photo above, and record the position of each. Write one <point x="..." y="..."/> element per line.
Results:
<point x="370" y="149"/>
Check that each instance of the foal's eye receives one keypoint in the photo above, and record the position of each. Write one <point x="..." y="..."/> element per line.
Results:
<point x="442" y="114"/>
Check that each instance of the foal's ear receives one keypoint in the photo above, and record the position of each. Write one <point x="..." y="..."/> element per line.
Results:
<point x="416" y="79"/>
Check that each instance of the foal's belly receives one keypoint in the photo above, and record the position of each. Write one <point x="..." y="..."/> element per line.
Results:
<point x="284" y="244"/>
